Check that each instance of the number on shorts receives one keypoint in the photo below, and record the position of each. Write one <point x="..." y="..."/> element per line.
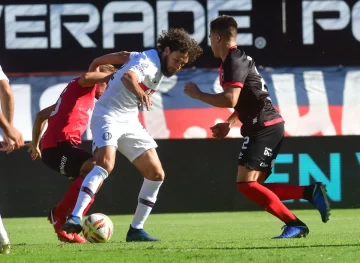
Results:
<point x="246" y="141"/>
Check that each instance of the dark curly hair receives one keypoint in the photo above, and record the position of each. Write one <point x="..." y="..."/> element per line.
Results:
<point x="177" y="39"/>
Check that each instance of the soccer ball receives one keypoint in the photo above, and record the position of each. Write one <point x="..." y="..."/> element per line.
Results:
<point x="98" y="228"/>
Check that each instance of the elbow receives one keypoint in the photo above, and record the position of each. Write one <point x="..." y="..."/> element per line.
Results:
<point x="87" y="76"/>
<point x="6" y="91"/>
<point x="42" y="116"/>
<point x="232" y="103"/>
<point x="127" y="77"/>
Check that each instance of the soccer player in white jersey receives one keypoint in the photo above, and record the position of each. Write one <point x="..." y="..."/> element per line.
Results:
<point x="115" y="124"/>
<point x="12" y="140"/>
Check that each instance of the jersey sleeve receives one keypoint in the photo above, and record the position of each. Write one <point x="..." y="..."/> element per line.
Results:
<point x="236" y="70"/>
<point x="133" y="54"/>
<point x="143" y="67"/>
<point x="2" y="75"/>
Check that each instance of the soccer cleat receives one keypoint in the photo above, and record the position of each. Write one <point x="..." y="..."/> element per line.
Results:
<point x="4" y="243"/>
<point x="320" y="200"/>
<point x="79" y="239"/>
<point x="139" y="235"/>
<point x="293" y="232"/>
<point x="72" y="225"/>
<point x="57" y="221"/>
<point x="5" y="248"/>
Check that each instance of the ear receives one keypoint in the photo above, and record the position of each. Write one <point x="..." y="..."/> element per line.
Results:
<point x="218" y="37"/>
<point x="166" y="51"/>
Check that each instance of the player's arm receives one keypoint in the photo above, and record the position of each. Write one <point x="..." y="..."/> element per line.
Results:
<point x="131" y="81"/>
<point x="226" y="99"/>
<point x="89" y="79"/>
<point x="112" y="58"/>
<point x="233" y="119"/>
<point x="11" y="133"/>
<point x="235" y="73"/>
<point x="7" y="100"/>
<point x="39" y="125"/>
<point x="4" y="124"/>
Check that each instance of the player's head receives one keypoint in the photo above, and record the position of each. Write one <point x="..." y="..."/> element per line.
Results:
<point x="177" y="48"/>
<point x="223" y="30"/>
<point x="100" y="88"/>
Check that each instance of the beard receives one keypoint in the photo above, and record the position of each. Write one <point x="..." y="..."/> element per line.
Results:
<point x="164" y="67"/>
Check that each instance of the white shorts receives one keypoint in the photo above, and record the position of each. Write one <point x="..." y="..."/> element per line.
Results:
<point x="2" y="75"/>
<point x="130" y="138"/>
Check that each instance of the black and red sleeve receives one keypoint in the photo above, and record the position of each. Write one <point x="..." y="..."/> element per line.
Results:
<point x="235" y="70"/>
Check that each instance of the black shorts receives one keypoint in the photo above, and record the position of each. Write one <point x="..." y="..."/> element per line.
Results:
<point x="259" y="150"/>
<point x="66" y="158"/>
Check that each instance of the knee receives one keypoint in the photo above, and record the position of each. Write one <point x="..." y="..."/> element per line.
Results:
<point x="156" y="175"/>
<point x="106" y="163"/>
<point x="245" y="187"/>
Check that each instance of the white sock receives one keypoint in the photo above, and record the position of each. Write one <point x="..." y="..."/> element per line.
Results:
<point x="4" y="239"/>
<point x="147" y="199"/>
<point x="88" y="188"/>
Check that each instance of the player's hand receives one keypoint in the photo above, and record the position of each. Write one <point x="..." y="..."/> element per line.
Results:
<point x="220" y="130"/>
<point x="192" y="90"/>
<point x="7" y="145"/>
<point x="144" y="99"/>
<point x="34" y="151"/>
<point x="13" y="140"/>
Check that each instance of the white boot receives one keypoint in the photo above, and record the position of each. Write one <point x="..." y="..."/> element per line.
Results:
<point x="4" y="240"/>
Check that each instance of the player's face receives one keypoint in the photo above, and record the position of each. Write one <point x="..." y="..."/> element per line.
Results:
<point x="215" y="43"/>
<point x="172" y="62"/>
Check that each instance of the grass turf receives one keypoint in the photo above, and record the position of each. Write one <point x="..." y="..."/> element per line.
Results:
<point x="205" y="237"/>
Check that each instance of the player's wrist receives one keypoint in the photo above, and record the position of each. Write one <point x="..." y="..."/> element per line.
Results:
<point x="199" y="95"/>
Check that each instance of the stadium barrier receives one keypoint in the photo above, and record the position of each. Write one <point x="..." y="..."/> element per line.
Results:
<point x="200" y="176"/>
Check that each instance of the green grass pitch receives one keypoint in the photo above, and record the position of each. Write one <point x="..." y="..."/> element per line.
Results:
<point x="201" y="237"/>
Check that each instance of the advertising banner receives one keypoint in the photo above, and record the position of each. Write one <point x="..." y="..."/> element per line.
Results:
<point x="313" y="101"/>
<point x="54" y="36"/>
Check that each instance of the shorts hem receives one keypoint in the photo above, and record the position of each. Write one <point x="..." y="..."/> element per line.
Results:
<point x="98" y="147"/>
<point x="133" y="158"/>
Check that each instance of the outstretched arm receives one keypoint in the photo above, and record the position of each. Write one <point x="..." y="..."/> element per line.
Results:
<point x="112" y="58"/>
<point x="89" y="79"/>
<point x="226" y="99"/>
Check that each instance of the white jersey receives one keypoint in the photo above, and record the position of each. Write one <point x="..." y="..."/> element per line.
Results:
<point x="118" y="103"/>
<point x="2" y="75"/>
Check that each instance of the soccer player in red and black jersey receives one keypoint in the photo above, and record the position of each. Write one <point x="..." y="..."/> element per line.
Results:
<point x="67" y="121"/>
<point x="262" y="129"/>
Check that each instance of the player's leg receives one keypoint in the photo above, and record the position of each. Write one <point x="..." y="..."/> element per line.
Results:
<point x="146" y="160"/>
<point x="254" y="165"/>
<point x="151" y="169"/>
<point x="4" y="239"/>
<point x="247" y="184"/>
<point x="105" y="136"/>
<point x="105" y="161"/>
<point x="68" y="160"/>
<point x="314" y="193"/>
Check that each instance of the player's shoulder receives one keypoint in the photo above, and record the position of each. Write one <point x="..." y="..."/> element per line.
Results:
<point x="151" y="56"/>
<point x="238" y="58"/>
<point x="73" y="84"/>
<point x="237" y="55"/>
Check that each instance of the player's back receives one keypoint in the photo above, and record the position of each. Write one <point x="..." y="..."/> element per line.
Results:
<point x="70" y="116"/>
<point x="120" y="103"/>
<point x="254" y="107"/>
